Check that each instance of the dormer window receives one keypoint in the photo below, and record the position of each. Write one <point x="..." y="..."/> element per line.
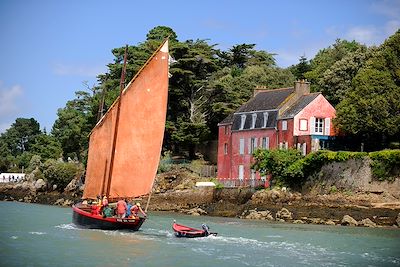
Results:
<point x="265" y="120"/>
<point x="242" y="121"/>
<point x="253" y="120"/>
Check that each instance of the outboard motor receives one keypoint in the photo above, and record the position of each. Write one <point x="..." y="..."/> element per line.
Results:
<point x="206" y="229"/>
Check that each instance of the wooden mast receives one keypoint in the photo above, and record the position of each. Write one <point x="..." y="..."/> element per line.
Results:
<point x="121" y="88"/>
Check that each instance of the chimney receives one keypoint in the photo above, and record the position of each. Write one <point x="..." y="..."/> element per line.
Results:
<point x="301" y="87"/>
<point x="259" y="89"/>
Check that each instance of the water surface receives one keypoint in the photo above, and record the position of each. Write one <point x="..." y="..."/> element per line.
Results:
<point x="40" y="235"/>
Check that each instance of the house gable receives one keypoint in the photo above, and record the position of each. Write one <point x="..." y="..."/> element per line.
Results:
<point x="318" y="108"/>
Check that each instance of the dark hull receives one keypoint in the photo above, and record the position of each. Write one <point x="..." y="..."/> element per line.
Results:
<point x="189" y="235"/>
<point x="188" y="232"/>
<point x="83" y="218"/>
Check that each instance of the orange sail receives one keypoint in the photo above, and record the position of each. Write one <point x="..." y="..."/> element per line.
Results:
<point x="140" y="133"/>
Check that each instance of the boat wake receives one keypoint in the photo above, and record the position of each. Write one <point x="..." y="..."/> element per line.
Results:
<point x="68" y="226"/>
<point x="38" y="233"/>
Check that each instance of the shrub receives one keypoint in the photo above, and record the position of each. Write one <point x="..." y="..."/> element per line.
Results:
<point x="289" y="168"/>
<point x="332" y="189"/>
<point x="275" y="162"/>
<point x="165" y="163"/>
<point x="35" y="162"/>
<point x="385" y="164"/>
<point x="60" y="173"/>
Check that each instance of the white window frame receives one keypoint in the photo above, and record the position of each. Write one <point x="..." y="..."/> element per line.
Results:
<point x="303" y="125"/>
<point x="242" y="121"/>
<point x="253" y="120"/>
<point x="284" y="125"/>
<point x="241" y="172"/>
<point x="265" y="142"/>
<point x="253" y="145"/>
<point x="265" y="120"/>
<point x="327" y="126"/>
<point x="319" y="126"/>
<point x="241" y="146"/>
<point x="312" y="125"/>
<point x="225" y="148"/>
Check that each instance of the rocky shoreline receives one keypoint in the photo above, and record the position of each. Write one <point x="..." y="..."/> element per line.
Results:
<point x="275" y="205"/>
<point x="177" y="193"/>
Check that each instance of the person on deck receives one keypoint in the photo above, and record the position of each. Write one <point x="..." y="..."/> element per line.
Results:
<point x="105" y="201"/>
<point x="121" y="208"/>
<point x="95" y="209"/>
<point x="128" y="210"/>
<point x="135" y="210"/>
<point x="107" y="211"/>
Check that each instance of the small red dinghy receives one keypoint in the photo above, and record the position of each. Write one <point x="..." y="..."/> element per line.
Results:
<point x="185" y="231"/>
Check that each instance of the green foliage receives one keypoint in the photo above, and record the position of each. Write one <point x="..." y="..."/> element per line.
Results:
<point x="385" y="164"/>
<point x="22" y="161"/>
<point x="289" y="168"/>
<point x="165" y="163"/>
<point x="218" y="185"/>
<point x="275" y="162"/>
<point x="228" y="92"/>
<point x="301" y="68"/>
<point x="371" y="109"/>
<point x="337" y="80"/>
<point x="326" y="58"/>
<point x="47" y="147"/>
<point x="34" y="163"/>
<point x="60" y="173"/>
<point x="71" y="129"/>
<point x="332" y="189"/>
<point x="20" y="136"/>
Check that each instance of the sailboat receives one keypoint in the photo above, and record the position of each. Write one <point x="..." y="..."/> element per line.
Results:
<point x="125" y="145"/>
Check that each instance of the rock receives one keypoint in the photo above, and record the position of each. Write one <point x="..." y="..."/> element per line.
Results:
<point x="298" y="222"/>
<point x="260" y="215"/>
<point x="67" y="203"/>
<point x="330" y="222"/>
<point x="348" y="220"/>
<point x="284" y="214"/>
<point x="40" y="184"/>
<point x="59" y="201"/>
<point x="316" y="221"/>
<point x="398" y="219"/>
<point x="367" y="222"/>
<point x="196" y="212"/>
<point x="73" y="185"/>
<point x="54" y="187"/>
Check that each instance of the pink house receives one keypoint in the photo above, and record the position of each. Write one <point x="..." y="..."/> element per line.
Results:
<point x="280" y="118"/>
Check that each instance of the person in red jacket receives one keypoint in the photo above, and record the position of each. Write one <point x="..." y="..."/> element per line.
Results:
<point x="121" y="208"/>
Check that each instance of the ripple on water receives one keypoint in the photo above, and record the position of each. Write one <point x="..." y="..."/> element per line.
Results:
<point x="38" y="233"/>
<point x="68" y="226"/>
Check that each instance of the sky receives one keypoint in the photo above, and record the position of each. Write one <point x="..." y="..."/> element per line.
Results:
<point x="51" y="49"/>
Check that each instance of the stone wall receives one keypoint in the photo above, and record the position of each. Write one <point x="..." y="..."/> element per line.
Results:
<point x="354" y="175"/>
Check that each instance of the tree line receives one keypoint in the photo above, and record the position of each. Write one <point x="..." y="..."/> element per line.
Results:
<point x="207" y="84"/>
